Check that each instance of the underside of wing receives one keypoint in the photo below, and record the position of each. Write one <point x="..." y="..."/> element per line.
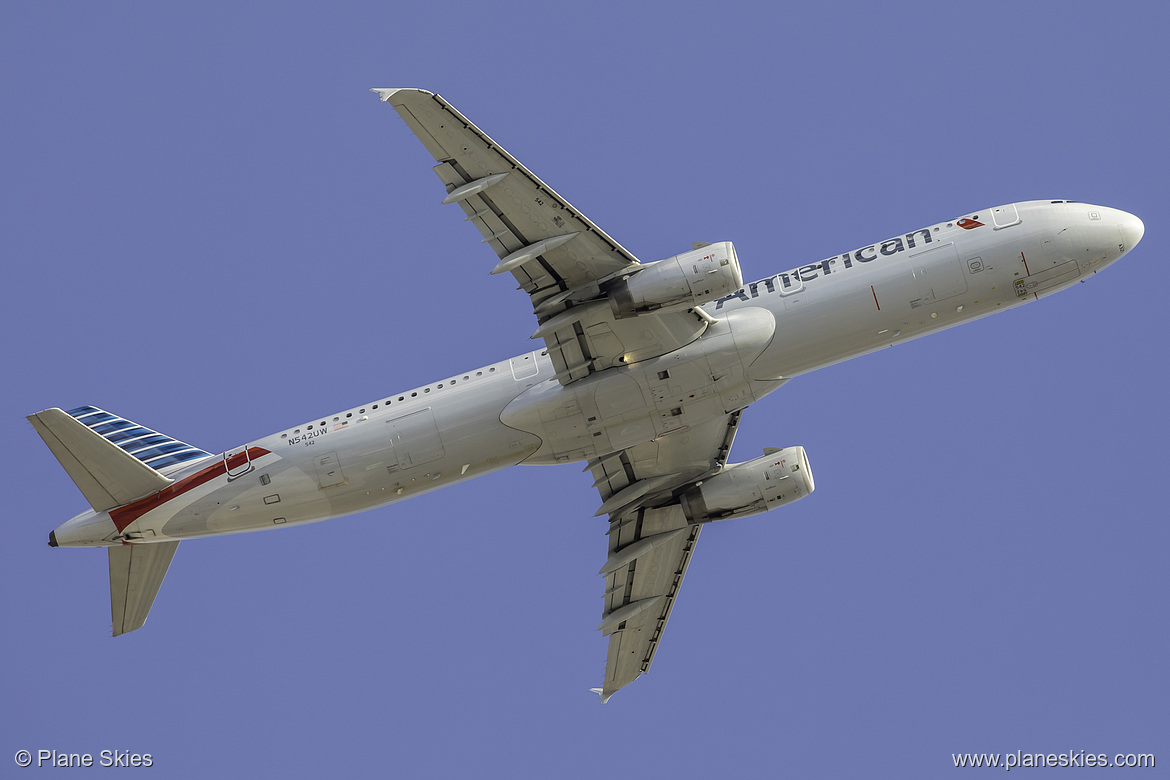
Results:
<point x="547" y="244"/>
<point x="589" y="316"/>
<point x="599" y="310"/>
<point x="650" y="540"/>
<point x="640" y="592"/>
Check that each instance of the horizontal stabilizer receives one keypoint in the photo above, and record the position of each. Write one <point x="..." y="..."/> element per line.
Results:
<point x="107" y="475"/>
<point x="136" y="573"/>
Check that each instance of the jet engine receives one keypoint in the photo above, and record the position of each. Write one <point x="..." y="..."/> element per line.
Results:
<point x="779" y="477"/>
<point x="678" y="282"/>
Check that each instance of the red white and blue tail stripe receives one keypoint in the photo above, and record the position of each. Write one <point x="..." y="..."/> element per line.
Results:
<point x="159" y="451"/>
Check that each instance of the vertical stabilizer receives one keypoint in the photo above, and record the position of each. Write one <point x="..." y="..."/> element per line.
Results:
<point x="112" y="460"/>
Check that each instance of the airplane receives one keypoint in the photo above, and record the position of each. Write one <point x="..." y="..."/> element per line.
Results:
<point x="644" y="375"/>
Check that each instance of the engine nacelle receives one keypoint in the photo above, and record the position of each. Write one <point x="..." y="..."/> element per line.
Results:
<point x="678" y="282"/>
<point x="779" y="477"/>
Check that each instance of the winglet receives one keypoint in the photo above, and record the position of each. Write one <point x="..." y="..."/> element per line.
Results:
<point x="601" y="694"/>
<point x="384" y="93"/>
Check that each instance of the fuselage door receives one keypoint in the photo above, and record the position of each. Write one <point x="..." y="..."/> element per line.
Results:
<point x="524" y="366"/>
<point x="1004" y="216"/>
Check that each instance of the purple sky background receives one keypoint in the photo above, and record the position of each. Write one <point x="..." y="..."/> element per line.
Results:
<point x="211" y="227"/>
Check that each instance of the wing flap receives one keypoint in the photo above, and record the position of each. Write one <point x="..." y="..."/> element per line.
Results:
<point x="585" y="338"/>
<point x="136" y="573"/>
<point x="686" y="453"/>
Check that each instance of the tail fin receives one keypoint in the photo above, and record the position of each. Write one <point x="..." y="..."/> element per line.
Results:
<point x="115" y="462"/>
<point x="112" y="461"/>
<point x="136" y="574"/>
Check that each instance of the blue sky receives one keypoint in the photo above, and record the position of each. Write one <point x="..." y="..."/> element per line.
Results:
<point x="211" y="227"/>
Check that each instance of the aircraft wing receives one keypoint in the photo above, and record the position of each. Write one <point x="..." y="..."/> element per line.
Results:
<point x="567" y="265"/>
<point x="558" y="256"/>
<point x="650" y="541"/>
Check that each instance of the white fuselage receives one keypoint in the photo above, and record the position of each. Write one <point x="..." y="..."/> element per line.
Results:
<point x="515" y="411"/>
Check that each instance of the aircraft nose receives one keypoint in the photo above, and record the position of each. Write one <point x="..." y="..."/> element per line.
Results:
<point x="1132" y="229"/>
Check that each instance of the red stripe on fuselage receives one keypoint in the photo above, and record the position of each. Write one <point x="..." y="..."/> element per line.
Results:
<point x="123" y="516"/>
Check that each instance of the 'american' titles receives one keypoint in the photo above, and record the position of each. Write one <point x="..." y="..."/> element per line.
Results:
<point x="786" y="281"/>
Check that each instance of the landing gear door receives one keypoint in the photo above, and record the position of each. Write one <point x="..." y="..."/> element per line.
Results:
<point x="414" y="439"/>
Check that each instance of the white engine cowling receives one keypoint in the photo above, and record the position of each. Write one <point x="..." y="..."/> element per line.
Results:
<point x="779" y="477"/>
<point x="678" y="282"/>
